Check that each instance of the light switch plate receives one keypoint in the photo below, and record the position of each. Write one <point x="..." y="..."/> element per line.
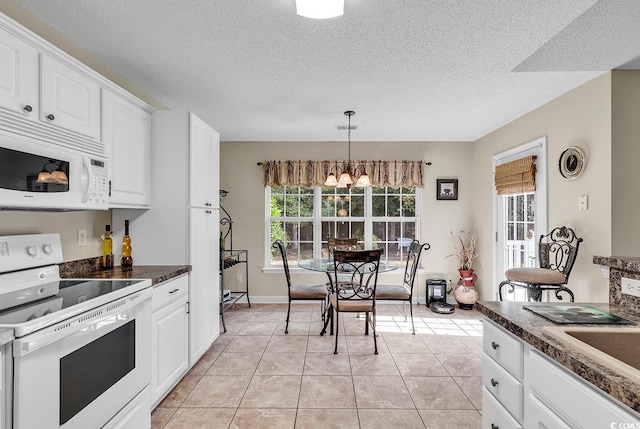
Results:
<point x="583" y="202"/>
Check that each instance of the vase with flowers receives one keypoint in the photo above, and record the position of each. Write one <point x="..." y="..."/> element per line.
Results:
<point x="465" y="291"/>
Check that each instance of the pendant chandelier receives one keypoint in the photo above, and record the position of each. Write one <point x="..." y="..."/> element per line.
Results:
<point x="348" y="175"/>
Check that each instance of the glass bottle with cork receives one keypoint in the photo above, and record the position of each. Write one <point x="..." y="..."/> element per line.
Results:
<point x="107" y="248"/>
<point x="127" y="260"/>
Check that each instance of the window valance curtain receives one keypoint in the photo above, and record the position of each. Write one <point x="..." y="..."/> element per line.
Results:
<point x="313" y="173"/>
<point x="517" y="176"/>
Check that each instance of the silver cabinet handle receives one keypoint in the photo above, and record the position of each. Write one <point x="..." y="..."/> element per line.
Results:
<point x="494" y="382"/>
<point x="50" y="117"/>
<point x="27" y="108"/>
<point x="174" y="291"/>
<point x="494" y="345"/>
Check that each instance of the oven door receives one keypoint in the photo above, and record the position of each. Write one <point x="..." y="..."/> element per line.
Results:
<point x="80" y="373"/>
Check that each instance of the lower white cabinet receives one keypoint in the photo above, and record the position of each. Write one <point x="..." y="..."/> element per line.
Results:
<point x="170" y="337"/>
<point x="573" y="401"/>
<point x="522" y="387"/>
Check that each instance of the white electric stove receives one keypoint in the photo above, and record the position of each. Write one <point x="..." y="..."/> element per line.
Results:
<point x="83" y="342"/>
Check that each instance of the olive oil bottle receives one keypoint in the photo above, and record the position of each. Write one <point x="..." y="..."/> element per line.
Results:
<point x="107" y="248"/>
<point x="127" y="260"/>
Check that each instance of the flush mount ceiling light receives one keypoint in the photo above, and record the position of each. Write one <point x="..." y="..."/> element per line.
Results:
<point x="347" y="177"/>
<point x="320" y="9"/>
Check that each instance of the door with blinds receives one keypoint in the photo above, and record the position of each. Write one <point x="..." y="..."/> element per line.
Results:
<point x="520" y="210"/>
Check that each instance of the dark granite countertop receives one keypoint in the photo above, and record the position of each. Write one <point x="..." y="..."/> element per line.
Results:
<point x="528" y="327"/>
<point x="157" y="273"/>
<point x="626" y="263"/>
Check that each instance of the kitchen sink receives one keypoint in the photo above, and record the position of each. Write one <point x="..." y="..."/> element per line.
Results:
<point x="615" y="347"/>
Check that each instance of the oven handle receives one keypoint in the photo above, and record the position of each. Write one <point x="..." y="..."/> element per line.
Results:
<point x="30" y="343"/>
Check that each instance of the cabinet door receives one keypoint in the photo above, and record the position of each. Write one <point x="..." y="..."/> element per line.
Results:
<point x="126" y="131"/>
<point x="204" y="295"/>
<point x="69" y="99"/>
<point x="170" y="347"/>
<point x="19" y="86"/>
<point x="204" y="162"/>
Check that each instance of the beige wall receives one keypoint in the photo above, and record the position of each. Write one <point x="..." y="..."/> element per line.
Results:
<point x="580" y="117"/>
<point x="243" y="179"/>
<point x="66" y="223"/>
<point x="625" y="155"/>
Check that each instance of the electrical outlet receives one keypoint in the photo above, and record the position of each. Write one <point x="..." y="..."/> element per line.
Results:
<point x="239" y="278"/>
<point x="631" y="287"/>
<point x="82" y="237"/>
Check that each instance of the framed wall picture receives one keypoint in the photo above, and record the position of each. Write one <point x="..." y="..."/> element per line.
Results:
<point x="447" y="189"/>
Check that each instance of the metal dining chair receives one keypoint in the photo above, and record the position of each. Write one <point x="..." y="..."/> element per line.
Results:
<point x="299" y="292"/>
<point x="404" y="292"/>
<point x="333" y="244"/>
<point x="557" y="252"/>
<point x="359" y="294"/>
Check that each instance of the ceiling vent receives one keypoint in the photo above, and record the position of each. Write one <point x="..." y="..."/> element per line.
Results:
<point x="345" y="127"/>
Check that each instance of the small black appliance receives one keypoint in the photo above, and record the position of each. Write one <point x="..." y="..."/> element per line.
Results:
<point x="437" y="296"/>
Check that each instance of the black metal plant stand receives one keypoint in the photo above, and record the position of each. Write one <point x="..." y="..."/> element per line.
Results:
<point x="229" y="258"/>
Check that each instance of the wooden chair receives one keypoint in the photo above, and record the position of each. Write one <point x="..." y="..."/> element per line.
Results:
<point x="404" y="292"/>
<point x="359" y="293"/>
<point x="557" y="252"/>
<point x="334" y="244"/>
<point x="299" y="292"/>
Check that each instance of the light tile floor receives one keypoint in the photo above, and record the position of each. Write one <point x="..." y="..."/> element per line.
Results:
<point x="255" y="377"/>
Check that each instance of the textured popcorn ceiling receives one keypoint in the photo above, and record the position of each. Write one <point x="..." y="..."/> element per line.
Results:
<point x="412" y="70"/>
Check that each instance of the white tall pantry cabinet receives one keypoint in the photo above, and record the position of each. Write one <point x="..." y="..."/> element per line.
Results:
<point x="182" y="225"/>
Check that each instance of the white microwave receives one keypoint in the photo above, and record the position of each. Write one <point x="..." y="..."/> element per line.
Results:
<point x="35" y="175"/>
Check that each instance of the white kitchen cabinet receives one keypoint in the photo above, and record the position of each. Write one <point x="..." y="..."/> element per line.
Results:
<point x="19" y="90"/>
<point x="126" y="130"/>
<point x="204" y="297"/>
<point x="502" y="369"/>
<point x="170" y="336"/>
<point x="48" y="95"/>
<point x="571" y="399"/>
<point x="204" y="151"/>
<point x="556" y="398"/>
<point x="69" y="99"/>
<point x="173" y="231"/>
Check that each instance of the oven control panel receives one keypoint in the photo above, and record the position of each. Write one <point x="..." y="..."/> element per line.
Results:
<point x="28" y="251"/>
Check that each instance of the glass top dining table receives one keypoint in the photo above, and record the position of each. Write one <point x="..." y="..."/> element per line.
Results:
<point x="325" y="265"/>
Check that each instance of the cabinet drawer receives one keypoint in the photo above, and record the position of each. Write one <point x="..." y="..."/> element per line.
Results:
<point x="539" y="416"/>
<point x="169" y="291"/>
<point x="494" y="416"/>
<point x="503" y="347"/>
<point x="507" y="390"/>
<point x="578" y="403"/>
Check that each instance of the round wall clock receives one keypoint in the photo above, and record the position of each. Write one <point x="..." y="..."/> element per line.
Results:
<point x="571" y="162"/>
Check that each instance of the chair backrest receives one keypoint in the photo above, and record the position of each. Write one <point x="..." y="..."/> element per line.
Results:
<point x="279" y="245"/>
<point x="558" y="250"/>
<point x="413" y="260"/>
<point x="350" y="243"/>
<point x="362" y="266"/>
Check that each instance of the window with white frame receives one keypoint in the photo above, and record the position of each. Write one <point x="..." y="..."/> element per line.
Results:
<point x="304" y="218"/>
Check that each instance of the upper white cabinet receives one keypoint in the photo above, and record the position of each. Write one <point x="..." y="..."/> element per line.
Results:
<point x="126" y="130"/>
<point x="204" y="152"/>
<point x="63" y="97"/>
<point x="18" y="76"/>
<point x="69" y="99"/>
<point x="48" y="95"/>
